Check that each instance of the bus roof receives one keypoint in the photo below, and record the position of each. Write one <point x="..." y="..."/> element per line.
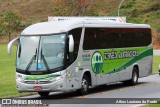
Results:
<point x="104" y="18"/>
<point x="66" y="25"/>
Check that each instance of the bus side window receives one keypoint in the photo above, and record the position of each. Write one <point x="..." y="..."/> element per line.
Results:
<point x="76" y="36"/>
<point x="90" y="39"/>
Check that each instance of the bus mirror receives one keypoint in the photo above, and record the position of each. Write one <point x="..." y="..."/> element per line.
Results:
<point x="71" y="43"/>
<point x="9" y="48"/>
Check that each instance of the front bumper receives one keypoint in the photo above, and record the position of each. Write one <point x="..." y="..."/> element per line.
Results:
<point x="59" y="85"/>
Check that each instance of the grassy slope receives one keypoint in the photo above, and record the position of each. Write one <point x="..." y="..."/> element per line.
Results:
<point x="29" y="10"/>
<point x="137" y="11"/>
<point x="39" y="10"/>
<point x="141" y="11"/>
<point x="7" y="73"/>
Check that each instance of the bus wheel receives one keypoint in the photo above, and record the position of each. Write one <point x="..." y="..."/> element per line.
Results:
<point x="85" y="85"/>
<point x="134" y="79"/>
<point x="43" y="94"/>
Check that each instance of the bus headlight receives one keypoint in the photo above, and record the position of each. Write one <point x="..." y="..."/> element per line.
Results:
<point x="19" y="77"/>
<point x="58" y="78"/>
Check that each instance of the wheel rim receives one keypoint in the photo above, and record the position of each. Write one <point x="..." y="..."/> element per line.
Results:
<point x="84" y="85"/>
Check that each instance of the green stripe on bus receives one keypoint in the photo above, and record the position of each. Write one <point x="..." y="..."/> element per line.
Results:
<point x="40" y="77"/>
<point x="142" y="55"/>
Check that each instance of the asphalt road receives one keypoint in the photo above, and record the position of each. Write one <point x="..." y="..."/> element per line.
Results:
<point x="148" y="87"/>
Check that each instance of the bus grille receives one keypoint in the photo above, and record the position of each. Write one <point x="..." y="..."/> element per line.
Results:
<point x="37" y="82"/>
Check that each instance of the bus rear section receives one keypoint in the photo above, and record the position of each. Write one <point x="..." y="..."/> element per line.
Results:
<point x="119" y="53"/>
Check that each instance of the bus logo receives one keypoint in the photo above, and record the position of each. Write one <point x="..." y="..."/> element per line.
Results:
<point x="97" y="62"/>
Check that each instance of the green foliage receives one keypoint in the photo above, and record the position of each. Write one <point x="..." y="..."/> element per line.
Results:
<point x="77" y="8"/>
<point x="141" y="11"/>
<point x="127" y="5"/>
<point x="10" y="23"/>
<point x="1" y="27"/>
<point x="65" y="7"/>
<point x="11" y="19"/>
<point x="155" y="6"/>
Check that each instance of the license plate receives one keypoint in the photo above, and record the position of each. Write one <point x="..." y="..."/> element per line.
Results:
<point x="37" y="88"/>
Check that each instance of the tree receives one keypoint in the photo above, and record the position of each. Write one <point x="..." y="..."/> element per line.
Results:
<point x="11" y="23"/>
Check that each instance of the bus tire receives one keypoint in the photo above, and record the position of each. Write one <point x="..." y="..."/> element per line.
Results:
<point x="134" y="79"/>
<point x="43" y="94"/>
<point x="85" y="86"/>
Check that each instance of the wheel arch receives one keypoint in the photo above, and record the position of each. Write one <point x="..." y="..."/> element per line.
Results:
<point x="88" y="74"/>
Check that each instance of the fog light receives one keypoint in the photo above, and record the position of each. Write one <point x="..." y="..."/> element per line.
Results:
<point x="61" y="86"/>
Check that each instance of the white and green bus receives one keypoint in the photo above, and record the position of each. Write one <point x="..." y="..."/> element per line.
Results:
<point x="68" y="55"/>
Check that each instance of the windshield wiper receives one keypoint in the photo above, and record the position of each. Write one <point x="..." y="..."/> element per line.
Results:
<point x="31" y="61"/>
<point x="45" y="62"/>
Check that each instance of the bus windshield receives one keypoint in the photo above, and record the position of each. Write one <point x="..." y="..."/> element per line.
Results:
<point x="41" y="54"/>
